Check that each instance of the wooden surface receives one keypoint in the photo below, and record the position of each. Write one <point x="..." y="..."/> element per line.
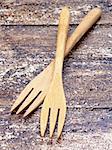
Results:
<point x="27" y="45"/>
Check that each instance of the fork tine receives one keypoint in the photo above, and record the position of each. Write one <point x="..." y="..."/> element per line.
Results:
<point x="53" y="118"/>
<point x="61" y="120"/>
<point x="35" y="104"/>
<point x="44" y="119"/>
<point x="21" y="97"/>
<point x="28" y="100"/>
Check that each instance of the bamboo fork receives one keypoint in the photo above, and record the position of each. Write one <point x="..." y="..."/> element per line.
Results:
<point x="55" y="99"/>
<point x="36" y="90"/>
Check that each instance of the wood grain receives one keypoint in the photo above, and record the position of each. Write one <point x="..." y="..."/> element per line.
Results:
<point x="87" y="70"/>
<point x="27" y="45"/>
<point x="83" y="128"/>
<point x="42" y="12"/>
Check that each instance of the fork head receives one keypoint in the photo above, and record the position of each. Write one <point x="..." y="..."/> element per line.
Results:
<point x="34" y="92"/>
<point x="55" y="106"/>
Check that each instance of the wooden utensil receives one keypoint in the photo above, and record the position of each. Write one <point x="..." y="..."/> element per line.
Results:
<point x="55" y="98"/>
<point x="36" y="90"/>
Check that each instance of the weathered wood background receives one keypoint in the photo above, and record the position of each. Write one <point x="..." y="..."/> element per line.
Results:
<point x="27" y="44"/>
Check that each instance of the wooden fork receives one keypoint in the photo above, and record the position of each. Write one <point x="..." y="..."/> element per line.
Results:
<point x="55" y="99"/>
<point x="36" y="90"/>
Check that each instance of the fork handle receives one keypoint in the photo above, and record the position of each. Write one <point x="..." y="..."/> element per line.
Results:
<point x="82" y="28"/>
<point x="61" y="39"/>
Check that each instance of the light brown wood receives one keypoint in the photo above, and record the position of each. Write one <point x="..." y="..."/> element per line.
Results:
<point x="46" y="75"/>
<point x="83" y="27"/>
<point x="55" y="99"/>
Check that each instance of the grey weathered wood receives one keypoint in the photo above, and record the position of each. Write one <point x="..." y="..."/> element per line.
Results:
<point x="83" y="128"/>
<point x="29" y="46"/>
<point x="26" y="50"/>
<point x="47" y="12"/>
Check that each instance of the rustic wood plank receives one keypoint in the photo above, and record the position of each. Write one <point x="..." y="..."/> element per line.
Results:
<point x="26" y="50"/>
<point x="43" y="12"/>
<point x="83" y="127"/>
<point x="71" y="141"/>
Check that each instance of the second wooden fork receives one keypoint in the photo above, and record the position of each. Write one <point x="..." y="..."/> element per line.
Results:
<point x="55" y="98"/>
